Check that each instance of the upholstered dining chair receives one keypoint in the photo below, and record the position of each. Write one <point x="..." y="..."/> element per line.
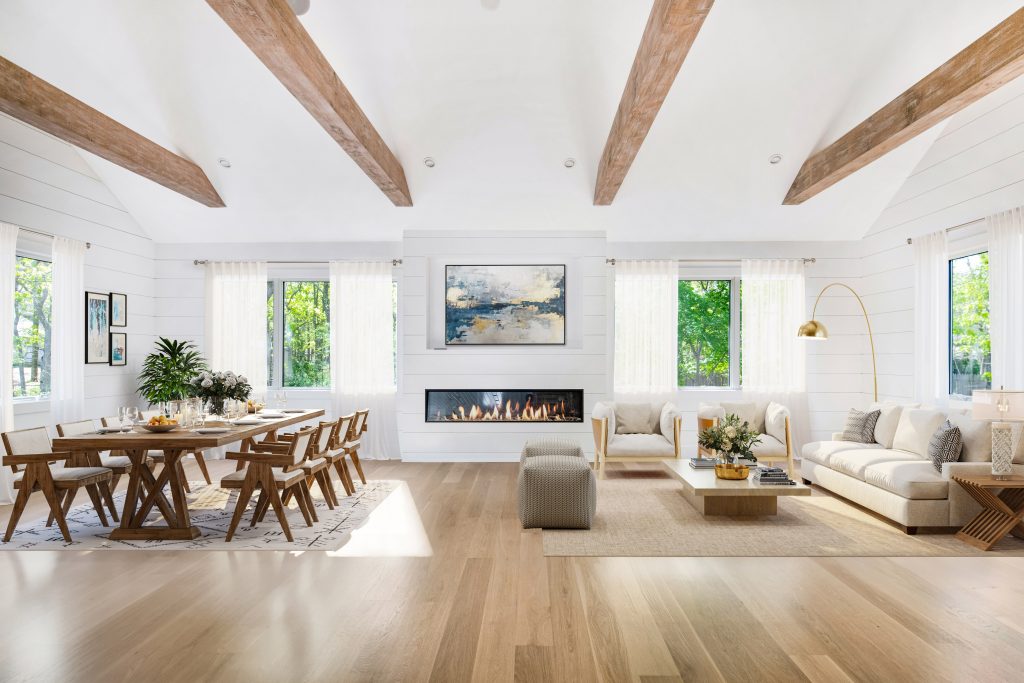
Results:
<point x="117" y="464"/>
<point x="44" y="471"/>
<point x="275" y="468"/>
<point x="352" y="443"/>
<point x="337" y="453"/>
<point x="317" y="466"/>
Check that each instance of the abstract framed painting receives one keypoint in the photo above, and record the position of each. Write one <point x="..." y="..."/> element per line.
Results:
<point x="97" y="328"/>
<point x="118" y="348"/>
<point x="504" y="305"/>
<point x="118" y="310"/>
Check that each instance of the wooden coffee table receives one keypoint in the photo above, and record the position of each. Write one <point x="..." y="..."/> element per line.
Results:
<point x="1001" y="512"/>
<point x="710" y="495"/>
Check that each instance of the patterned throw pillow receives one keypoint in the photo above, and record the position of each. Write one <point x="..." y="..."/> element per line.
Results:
<point x="860" y="426"/>
<point x="945" y="445"/>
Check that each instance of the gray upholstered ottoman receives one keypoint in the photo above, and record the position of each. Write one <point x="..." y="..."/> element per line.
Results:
<point x="557" y="489"/>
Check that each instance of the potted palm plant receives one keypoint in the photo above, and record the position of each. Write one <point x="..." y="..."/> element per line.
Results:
<point x="167" y="373"/>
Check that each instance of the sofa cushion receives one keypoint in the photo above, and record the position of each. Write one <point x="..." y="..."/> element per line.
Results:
<point x="666" y="421"/>
<point x="854" y="463"/>
<point x="633" y="418"/>
<point x="747" y="411"/>
<point x="914" y="479"/>
<point x="915" y="430"/>
<point x="604" y="411"/>
<point x="860" y="426"/>
<point x="976" y="436"/>
<point x="641" y="446"/>
<point x="888" y="420"/>
<point x="775" y="421"/>
<point x="821" y="452"/>
<point x="945" y="445"/>
<point x="769" y="446"/>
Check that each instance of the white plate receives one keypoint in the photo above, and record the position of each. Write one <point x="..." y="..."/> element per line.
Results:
<point x="293" y="410"/>
<point x="269" y="413"/>
<point x="212" y="430"/>
<point x="108" y="430"/>
<point x="248" y="421"/>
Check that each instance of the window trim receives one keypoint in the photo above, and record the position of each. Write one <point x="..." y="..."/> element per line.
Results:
<point x="734" y="329"/>
<point x="972" y="248"/>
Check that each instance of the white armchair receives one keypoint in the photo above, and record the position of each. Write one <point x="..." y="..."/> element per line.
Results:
<point x="769" y="418"/>
<point x="635" y="432"/>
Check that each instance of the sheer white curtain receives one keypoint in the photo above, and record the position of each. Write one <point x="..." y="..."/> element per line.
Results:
<point x="1006" y="297"/>
<point x="362" y="364"/>
<point x="67" y="357"/>
<point x="774" y="305"/>
<point x="236" y="320"/>
<point x="8" y="248"/>
<point x="931" y="318"/>
<point x="646" y="328"/>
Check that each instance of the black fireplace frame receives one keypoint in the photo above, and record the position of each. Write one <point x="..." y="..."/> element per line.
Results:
<point x="426" y="407"/>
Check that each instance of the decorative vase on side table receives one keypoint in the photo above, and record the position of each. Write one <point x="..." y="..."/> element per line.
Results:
<point x="1002" y="408"/>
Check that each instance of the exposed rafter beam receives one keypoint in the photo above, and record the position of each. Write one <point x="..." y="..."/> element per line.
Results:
<point x="983" y="66"/>
<point x="30" y="99"/>
<point x="272" y="31"/>
<point x="671" y="30"/>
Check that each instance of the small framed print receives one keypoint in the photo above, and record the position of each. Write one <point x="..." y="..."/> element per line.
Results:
<point x="118" y="310"/>
<point x="97" y="327"/>
<point x="118" y="348"/>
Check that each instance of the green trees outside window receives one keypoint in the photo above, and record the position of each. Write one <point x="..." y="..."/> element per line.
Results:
<point x="705" y="317"/>
<point x="32" y="327"/>
<point x="970" y="365"/>
<point x="299" y="329"/>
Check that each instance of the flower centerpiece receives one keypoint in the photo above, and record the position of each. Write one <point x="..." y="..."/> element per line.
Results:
<point x="731" y="438"/>
<point x="217" y="387"/>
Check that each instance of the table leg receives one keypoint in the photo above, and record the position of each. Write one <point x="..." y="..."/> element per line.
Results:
<point x="1001" y="514"/>
<point x="178" y="525"/>
<point x="131" y="497"/>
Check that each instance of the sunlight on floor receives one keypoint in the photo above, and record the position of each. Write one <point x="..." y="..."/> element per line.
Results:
<point x="394" y="529"/>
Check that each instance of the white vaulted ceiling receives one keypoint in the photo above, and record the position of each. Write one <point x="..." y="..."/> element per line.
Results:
<point x="500" y="97"/>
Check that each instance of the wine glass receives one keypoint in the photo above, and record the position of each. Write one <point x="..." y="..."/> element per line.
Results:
<point x="133" y="416"/>
<point x="281" y="398"/>
<point x="122" y="418"/>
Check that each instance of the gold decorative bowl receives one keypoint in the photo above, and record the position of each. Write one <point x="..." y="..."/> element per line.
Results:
<point x="730" y="471"/>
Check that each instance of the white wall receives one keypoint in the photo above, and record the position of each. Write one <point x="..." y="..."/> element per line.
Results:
<point x="46" y="185"/>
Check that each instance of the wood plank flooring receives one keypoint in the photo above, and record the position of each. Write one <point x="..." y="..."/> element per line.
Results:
<point x="480" y="602"/>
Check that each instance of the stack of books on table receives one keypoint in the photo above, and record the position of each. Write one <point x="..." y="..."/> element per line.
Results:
<point x="772" y="476"/>
<point x="704" y="463"/>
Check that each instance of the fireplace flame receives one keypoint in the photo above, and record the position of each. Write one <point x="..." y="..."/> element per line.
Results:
<point x="545" y="412"/>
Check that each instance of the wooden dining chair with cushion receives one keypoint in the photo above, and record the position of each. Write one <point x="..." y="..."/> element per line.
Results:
<point x="317" y="465"/>
<point x="117" y="464"/>
<point x="352" y="444"/>
<point x="44" y="471"/>
<point x="274" y="468"/>
<point x="337" y="454"/>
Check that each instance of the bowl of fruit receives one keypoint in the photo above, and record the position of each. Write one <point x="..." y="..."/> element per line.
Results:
<point x="160" y="423"/>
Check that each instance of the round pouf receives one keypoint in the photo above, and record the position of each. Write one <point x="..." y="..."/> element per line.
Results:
<point x="557" y="488"/>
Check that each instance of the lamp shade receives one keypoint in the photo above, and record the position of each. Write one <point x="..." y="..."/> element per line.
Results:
<point x="812" y="329"/>
<point x="997" y="405"/>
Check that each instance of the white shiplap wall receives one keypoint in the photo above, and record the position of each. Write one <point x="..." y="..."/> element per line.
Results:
<point x="46" y="185"/>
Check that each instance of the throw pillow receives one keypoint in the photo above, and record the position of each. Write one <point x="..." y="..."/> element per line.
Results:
<point x="976" y="436"/>
<point x="945" y="445"/>
<point x="747" y="411"/>
<point x="915" y="430"/>
<point x="667" y="421"/>
<point x="885" y="428"/>
<point x="860" y="426"/>
<point x="633" y="418"/>
<point x="775" y="421"/>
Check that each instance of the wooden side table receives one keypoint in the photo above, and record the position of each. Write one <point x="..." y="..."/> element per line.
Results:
<point x="1001" y="513"/>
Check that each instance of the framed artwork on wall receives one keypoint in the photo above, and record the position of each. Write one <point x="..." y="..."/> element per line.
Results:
<point x="97" y="328"/>
<point x="118" y="348"/>
<point x="504" y="304"/>
<point x="118" y="310"/>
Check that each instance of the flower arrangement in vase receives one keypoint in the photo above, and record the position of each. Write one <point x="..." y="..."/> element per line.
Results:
<point x="217" y="387"/>
<point x="731" y="438"/>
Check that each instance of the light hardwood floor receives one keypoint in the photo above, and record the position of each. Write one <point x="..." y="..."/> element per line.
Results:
<point x="483" y="603"/>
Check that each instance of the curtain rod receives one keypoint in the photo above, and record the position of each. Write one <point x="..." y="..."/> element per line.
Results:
<point x="394" y="262"/>
<point x="956" y="227"/>
<point x="611" y="261"/>
<point x="88" y="245"/>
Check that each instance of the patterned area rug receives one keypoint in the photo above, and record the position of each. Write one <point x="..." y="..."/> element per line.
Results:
<point x="643" y="514"/>
<point x="211" y="509"/>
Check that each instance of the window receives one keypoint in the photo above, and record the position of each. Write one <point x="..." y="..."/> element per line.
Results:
<point x="970" y="348"/>
<point x="32" y="331"/>
<point x="708" y="327"/>
<point x="298" y="333"/>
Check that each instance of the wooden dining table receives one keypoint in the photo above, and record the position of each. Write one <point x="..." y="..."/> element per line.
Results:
<point x="145" y="489"/>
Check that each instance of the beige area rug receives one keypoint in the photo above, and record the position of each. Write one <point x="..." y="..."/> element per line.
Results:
<point x="210" y="510"/>
<point x="643" y="514"/>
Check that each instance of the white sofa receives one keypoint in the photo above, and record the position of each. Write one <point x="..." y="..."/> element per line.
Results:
<point x="894" y="476"/>
<point x="652" y="434"/>
<point x="770" y="419"/>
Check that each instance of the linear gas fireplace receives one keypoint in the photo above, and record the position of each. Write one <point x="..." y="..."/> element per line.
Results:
<point x="499" y="405"/>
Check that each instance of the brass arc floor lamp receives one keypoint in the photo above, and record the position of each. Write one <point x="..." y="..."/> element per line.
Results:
<point x="812" y="329"/>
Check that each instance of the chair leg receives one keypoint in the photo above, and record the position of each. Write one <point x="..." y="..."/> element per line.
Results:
<point x="201" y="461"/>
<point x="261" y="508"/>
<point x="359" y="468"/>
<point x="60" y="500"/>
<point x="97" y="502"/>
<point x="303" y="506"/>
<point x="304" y="492"/>
<point x="339" y="466"/>
<point x="275" y="500"/>
<point x="323" y="479"/>
<point x="243" y="501"/>
<point x="19" y="506"/>
<point x="105" y="491"/>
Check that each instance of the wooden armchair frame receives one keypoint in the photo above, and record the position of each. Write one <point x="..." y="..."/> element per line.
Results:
<point x="600" y="429"/>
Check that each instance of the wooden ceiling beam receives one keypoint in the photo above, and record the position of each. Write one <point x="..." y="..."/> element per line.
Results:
<point x="671" y="30"/>
<point x="29" y="98"/>
<point x="983" y="66"/>
<point x="276" y="36"/>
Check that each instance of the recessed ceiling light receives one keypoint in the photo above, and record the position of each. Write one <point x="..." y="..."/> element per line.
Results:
<point x="224" y="162"/>
<point x="569" y="162"/>
<point x="775" y="158"/>
<point x="429" y="162"/>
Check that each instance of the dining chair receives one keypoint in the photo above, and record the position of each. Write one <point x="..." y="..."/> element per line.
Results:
<point x="338" y="454"/>
<point x="44" y="471"/>
<point x="117" y="464"/>
<point x="352" y="442"/>
<point x="317" y="465"/>
<point x="274" y="467"/>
